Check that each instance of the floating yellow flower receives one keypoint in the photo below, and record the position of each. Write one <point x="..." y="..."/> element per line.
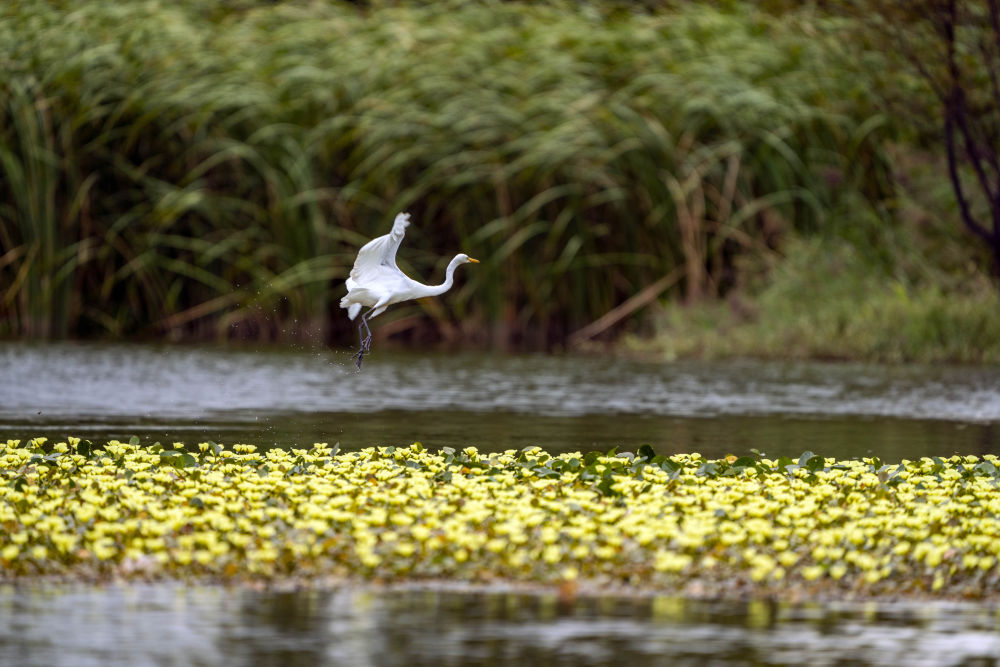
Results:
<point x="127" y="510"/>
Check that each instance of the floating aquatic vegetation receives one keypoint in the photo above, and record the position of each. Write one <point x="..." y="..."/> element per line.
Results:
<point x="643" y="520"/>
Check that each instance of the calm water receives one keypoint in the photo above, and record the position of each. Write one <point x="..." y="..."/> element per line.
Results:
<point x="171" y="625"/>
<point x="494" y="402"/>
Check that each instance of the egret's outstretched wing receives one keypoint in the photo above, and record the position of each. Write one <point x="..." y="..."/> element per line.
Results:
<point x="379" y="254"/>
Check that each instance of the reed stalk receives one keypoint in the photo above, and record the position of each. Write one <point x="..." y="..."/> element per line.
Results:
<point x="181" y="169"/>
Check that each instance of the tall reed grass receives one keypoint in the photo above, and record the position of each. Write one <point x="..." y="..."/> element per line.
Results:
<point x="173" y="168"/>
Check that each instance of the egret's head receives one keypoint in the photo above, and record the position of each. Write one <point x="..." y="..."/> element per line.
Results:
<point x="463" y="258"/>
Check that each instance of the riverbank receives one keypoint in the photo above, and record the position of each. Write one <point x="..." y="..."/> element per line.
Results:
<point x="744" y="526"/>
<point x="825" y="300"/>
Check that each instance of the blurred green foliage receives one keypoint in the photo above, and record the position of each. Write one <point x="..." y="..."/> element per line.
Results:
<point x="202" y="169"/>
<point x="828" y="301"/>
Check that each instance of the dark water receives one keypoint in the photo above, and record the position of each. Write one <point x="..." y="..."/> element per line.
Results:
<point x="563" y="403"/>
<point x="172" y="625"/>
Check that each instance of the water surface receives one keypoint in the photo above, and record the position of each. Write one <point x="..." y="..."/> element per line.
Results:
<point x="294" y="397"/>
<point x="563" y="403"/>
<point x="166" y="624"/>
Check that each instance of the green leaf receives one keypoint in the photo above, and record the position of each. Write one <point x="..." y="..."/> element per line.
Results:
<point x="986" y="468"/>
<point x="708" y="469"/>
<point x="604" y="486"/>
<point x="177" y="459"/>
<point x="134" y="441"/>
<point x="545" y="473"/>
<point x="671" y="465"/>
<point x="85" y="448"/>
<point x="813" y="463"/>
<point x="646" y="452"/>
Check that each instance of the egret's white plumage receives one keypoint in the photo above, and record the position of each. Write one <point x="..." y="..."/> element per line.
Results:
<point x="376" y="282"/>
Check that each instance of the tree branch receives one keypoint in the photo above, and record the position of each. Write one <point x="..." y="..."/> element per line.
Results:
<point x="956" y="179"/>
<point x="956" y="113"/>
<point x="991" y="60"/>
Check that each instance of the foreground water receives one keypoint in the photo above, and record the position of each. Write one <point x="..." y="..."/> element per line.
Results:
<point x="172" y="625"/>
<point x="563" y="403"/>
<point x="281" y="397"/>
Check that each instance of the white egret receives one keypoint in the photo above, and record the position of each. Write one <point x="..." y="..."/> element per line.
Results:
<point x="377" y="283"/>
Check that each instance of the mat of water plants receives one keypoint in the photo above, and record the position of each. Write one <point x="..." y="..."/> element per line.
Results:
<point x="747" y="525"/>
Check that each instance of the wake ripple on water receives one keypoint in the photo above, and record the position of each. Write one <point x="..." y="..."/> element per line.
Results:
<point x="102" y="380"/>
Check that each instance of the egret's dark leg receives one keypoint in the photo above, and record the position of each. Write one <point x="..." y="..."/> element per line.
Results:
<point x="365" y="336"/>
<point x="366" y="341"/>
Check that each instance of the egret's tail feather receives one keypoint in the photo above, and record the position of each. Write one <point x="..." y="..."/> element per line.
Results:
<point x="353" y="308"/>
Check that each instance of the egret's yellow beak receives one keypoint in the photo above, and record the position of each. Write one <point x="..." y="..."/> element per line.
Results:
<point x="474" y="261"/>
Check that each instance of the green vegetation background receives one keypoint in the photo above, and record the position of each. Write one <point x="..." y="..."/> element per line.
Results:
<point x="711" y="179"/>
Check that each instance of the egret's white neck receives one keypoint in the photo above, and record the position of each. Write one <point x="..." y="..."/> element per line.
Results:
<point x="449" y="279"/>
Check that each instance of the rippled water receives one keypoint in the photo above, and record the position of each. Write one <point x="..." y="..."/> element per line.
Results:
<point x="495" y="402"/>
<point x="173" y="625"/>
